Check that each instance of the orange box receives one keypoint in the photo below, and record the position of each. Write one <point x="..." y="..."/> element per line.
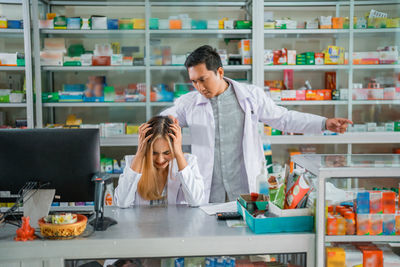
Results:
<point x="291" y="162"/>
<point x="311" y="94"/>
<point x="327" y="94"/>
<point x="337" y="22"/>
<point x="335" y="257"/>
<point x="389" y="202"/>
<point x="319" y="94"/>
<point x="372" y="257"/>
<point x="331" y="225"/>
<point x="101" y="60"/>
<point x="175" y="24"/>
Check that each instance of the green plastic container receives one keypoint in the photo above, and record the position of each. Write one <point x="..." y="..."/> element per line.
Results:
<point x="243" y="24"/>
<point x="275" y="132"/>
<point x="276" y="224"/>
<point x="153" y="24"/>
<point x="261" y="202"/>
<point x="76" y="50"/>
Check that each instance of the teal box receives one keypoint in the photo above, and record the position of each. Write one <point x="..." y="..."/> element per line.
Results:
<point x="276" y="224"/>
<point x="199" y="24"/>
<point x="153" y="24"/>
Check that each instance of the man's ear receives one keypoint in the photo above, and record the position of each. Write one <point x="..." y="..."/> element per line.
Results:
<point x="220" y="72"/>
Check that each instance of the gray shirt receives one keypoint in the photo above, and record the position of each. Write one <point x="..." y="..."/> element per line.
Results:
<point x="229" y="178"/>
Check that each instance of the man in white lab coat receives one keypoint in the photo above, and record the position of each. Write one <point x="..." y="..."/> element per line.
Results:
<point x="223" y="116"/>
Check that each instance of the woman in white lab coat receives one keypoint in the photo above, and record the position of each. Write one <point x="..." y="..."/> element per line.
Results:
<point x="160" y="173"/>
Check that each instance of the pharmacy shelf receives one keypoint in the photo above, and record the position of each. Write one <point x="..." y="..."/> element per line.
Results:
<point x="311" y="103"/>
<point x="376" y="102"/>
<point x="95" y="104"/>
<point x="307" y="31"/>
<point x="12" y="105"/>
<point x="306" y="3"/>
<point x="93" y="68"/>
<point x="362" y="238"/>
<point x="226" y="67"/>
<point x="347" y="138"/>
<point x="13" y="31"/>
<point x="17" y="2"/>
<point x="384" y="30"/>
<point x="200" y="33"/>
<point x="377" y="66"/>
<point x="95" y="3"/>
<point x="305" y="67"/>
<point x="11" y="68"/>
<point x="161" y="104"/>
<point x="130" y="140"/>
<point x="199" y="3"/>
<point x="91" y="32"/>
<point x="375" y="2"/>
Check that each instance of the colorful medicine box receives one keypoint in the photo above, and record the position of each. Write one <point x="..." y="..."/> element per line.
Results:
<point x="362" y="203"/>
<point x="375" y="201"/>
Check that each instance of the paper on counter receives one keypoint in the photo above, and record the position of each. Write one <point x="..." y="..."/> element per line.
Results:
<point x="212" y="209"/>
<point x="236" y="223"/>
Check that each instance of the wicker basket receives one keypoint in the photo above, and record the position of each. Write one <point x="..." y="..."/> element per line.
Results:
<point x="63" y="230"/>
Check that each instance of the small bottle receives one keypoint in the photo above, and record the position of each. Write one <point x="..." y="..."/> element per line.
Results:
<point x="341" y="225"/>
<point x="109" y="195"/>
<point x="262" y="185"/>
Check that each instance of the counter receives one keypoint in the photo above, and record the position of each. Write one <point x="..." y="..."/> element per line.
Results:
<point x="153" y="232"/>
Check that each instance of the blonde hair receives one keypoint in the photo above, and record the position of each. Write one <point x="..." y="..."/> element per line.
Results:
<point x="148" y="186"/>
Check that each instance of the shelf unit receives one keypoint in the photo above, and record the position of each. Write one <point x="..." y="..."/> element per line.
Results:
<point x="145" y="34"/>
<point x="24" y="33"/>
<point x="357" y="166"/>
<point x="256" y="71"/>
<point x="345" y="70"/>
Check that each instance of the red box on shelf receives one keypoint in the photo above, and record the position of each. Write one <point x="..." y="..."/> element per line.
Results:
<point x="300" y="95"/>
<point x="101" y="60"/>
<point x="327" y="94"/>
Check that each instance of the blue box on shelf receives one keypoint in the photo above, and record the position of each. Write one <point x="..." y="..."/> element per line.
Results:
<point x="153" y="24"/>
<point x="199" y="24"/>
<point x="93" y="99"/>
<point x="276" y="224"/>
<point x="74" y="23"/>
<point x="15" y="24"/>
<point x="73" y="87"/>
<point x="112" y="24"/>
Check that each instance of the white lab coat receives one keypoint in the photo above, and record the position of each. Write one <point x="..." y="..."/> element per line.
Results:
<point x="193" y="110"/>
<point x="183" y="187"/>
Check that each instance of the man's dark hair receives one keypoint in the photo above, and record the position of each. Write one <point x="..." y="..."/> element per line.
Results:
<point x="204" y="54"/>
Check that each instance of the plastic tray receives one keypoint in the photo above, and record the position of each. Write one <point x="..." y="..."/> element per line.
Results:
<point x="276" y="224"/>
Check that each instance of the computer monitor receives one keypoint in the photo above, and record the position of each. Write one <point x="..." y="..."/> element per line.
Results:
<point x="65" y="158"/>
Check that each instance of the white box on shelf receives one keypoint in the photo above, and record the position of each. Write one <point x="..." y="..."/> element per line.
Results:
<point x="86" y="59"/>
<point x="51" y="58"/>
<point x="116" y="59"/>
<point x="46" y="24"/>
<point x="99" y="23"/>
<point x="288" y="212"/>
<point x="186" y="23"/>
<point x="8" y="59"/>
<point x="163" y="24"/>
<point x="312" y="24"/>
<point x="228" y="25"/>
<point x="57" y="44"/>
<point x="343" y="94"/>
<point x="268" y="57"/>
<point x="17" y="97"/>
<point x="244" y="47"/>
<point x="371" y="126"/>
<point x="212" y="24"/>
<point x="178" y="60"/>
<point x="291" y="57"/>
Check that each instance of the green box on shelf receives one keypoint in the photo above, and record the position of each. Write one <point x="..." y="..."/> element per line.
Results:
<point x="397" y="126"/>
<point x="276" y="224"/>
<point x="72" y="63"/>
<point x="48" y="97"/>
<point x="275" y="132"/>
<point x="153" y="24"/>
<point x="4" y="98"/>
<point x="21" y="62"/>
<point x="261" y="202"/>
<point x="243" y="24"/>
<point x="109" y="94"/>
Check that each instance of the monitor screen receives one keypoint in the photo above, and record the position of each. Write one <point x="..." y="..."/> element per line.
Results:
<point x="65" y="158"/>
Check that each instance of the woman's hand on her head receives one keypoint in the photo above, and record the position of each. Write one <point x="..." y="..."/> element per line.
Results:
<point x="143" y="139"/>
<point x="176" y="136"/>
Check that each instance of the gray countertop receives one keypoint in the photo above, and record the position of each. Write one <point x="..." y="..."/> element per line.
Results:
<point x="157" y="232"/>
